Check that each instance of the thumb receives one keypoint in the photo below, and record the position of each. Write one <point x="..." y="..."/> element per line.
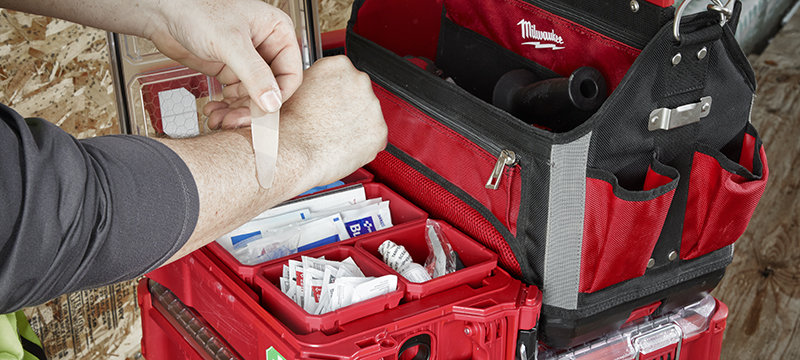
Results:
<point x="256" y="77"/>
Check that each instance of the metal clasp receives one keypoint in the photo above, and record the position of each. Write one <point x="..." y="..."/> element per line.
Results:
<point x="666" y="119"/>
<point x="723" y="10"/>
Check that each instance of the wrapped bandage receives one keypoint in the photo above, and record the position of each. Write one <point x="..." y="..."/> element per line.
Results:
<point x="398" y="258"/>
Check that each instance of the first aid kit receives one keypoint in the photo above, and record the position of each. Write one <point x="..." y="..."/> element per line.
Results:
<point x="215" y="309"/>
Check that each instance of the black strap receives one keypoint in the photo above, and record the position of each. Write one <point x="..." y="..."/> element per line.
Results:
<point x="32" y="348"/>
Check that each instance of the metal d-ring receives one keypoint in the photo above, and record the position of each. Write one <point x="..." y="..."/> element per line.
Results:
<point x="725" y="15"/>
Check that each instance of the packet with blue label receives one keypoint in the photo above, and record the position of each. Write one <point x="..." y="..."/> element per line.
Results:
<point x="312" y="221"/>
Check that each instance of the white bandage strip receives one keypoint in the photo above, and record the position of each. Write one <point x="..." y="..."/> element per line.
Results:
<point x="265" y="143"/>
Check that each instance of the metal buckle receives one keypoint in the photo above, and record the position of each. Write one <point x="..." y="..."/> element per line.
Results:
<point x="666" y="119"/>
<point x="723" y="10"/>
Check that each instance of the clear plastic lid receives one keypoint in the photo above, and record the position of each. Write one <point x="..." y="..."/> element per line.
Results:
<point x="642" y="336"/>
<point x="170" y="102"/>
<point x="160" y="97"/>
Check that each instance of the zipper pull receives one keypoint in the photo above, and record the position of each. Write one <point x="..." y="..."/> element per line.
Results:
<point x="506" y="158"/>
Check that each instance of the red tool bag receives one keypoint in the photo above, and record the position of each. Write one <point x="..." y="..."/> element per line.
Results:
<point x="633" y="204"/>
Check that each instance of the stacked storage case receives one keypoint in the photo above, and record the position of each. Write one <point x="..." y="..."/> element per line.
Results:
<point x="218" y="308"/>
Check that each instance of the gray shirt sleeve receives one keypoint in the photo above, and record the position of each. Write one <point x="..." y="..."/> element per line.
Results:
<point x="76" y="214"/>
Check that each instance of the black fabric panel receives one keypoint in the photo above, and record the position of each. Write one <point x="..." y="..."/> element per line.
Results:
<point x="613" y="18"/>
<point x="656" y="280"/>
<point x="533" y="214"/>
<point x="85" y="213"/>
<point x="476" y="63"/>
<point x="564" y="328"/>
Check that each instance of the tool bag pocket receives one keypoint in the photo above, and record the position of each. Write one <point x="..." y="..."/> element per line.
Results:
<point x="723" y="193"/>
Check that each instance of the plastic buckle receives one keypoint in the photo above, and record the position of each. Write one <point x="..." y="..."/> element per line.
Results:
<point x="658" y="338"/>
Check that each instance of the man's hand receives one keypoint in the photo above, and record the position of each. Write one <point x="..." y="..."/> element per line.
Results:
<point x="247" y="45"/>
<point x="334" y="119"/>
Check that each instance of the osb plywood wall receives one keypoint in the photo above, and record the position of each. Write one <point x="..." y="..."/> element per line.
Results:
<point x="60" y="71"/>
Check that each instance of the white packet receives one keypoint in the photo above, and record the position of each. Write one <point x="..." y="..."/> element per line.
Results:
<point x="343" y="290"/>
<point x="260" y="227"/>
<point x="375" y="287"/>
<point x="352" y="267"/>
<point x="367" y="219"/>
<point x="295" y="280"/>
<point x="292" y="292"/>
<point x="328" y="278"/>
<point x="284" y="282"/>
<point x="346" y="207"/>
<point x="318" y="232"/>
<point x="311" y="273"/>
<point x="272" y="244"/>
<point x="320" y="202"/>
<point x="312" y="292"/>
<point x="321" y="264"/>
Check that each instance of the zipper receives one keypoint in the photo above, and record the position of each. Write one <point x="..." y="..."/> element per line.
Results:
<point x="506" y="158"/>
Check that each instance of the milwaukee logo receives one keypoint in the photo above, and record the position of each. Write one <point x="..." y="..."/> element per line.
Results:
<point x="529" y="32"/>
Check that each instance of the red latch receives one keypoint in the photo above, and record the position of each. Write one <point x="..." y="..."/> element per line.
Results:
<point x="662" y="3"/>
<point x="643" y="311"/>
<point x="530" y="308"/>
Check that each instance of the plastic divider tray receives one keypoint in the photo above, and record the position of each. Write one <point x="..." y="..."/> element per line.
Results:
<point x="478" y="261"/>
<point x="301" y="322"/>
<point x="403" y="213"/>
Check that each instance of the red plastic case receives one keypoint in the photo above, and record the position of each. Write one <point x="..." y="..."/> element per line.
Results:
<point x="478" y="321"/>
<point x="478" y="260"/>
<point x="403" y="213"/>
<point x="166" y="327"/>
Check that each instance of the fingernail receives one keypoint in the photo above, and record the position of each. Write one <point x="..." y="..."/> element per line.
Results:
<point x="270" y="101"/>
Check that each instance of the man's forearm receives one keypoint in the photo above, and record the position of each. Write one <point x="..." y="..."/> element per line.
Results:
<point x="136" y="17"/>
<point x="223" y="167"/>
